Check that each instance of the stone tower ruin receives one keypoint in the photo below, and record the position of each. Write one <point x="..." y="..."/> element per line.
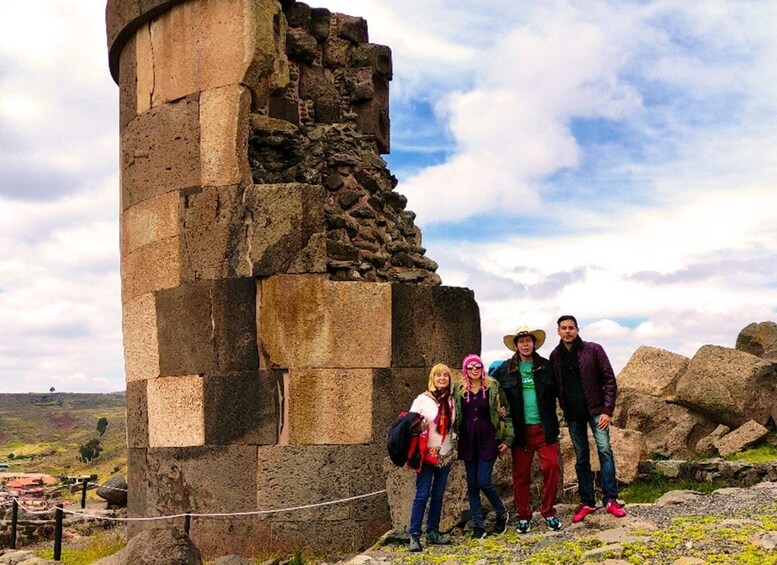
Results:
<point x="278" y="305"/>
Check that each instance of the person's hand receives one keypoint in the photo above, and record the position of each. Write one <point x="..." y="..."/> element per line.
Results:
<point x="604" y="422"/>
<point x="502" y="447"/>
<point x="502" y="412"/>
<point x="434" y="451"/>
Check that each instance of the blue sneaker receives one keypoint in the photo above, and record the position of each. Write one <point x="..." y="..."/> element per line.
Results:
<point x="523" y="526"/>
<point x="553" y="523"/>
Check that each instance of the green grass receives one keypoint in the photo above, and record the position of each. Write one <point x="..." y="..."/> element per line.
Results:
<point x="650" y="489"/>
<point x="96" y="547"/>
<point x="765" y="453"/>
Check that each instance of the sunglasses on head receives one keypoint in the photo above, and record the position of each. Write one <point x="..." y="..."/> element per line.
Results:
<point x="474" y="366"/>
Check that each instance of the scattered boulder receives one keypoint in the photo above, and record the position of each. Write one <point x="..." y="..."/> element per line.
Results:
<point x="741" y="438"/>
<point x="670" y="430"/>
<point x="653" y="371"/>
<point x="707" y="443"/>
<point x="729" y="386"/>
<point x="160" y="545"/>
<point x="759" y="339"/>
<point x="114" y="491"/>
<point x="628" y="447"/>
<point x="678" y="497"/>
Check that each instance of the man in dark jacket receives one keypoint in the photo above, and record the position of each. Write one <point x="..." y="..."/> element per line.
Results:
<point x="528" y="383"/>
<point x="587" y="390"/>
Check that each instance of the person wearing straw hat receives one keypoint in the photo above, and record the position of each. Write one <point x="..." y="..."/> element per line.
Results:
<point x="587" y="390"/>
<point x="527" y="379"/>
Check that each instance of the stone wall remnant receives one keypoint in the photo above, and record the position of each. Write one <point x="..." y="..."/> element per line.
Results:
<point x="279" y="308"/>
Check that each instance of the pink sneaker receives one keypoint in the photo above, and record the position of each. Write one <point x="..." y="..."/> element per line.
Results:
<point x="615" y="509"/>
<point x="581" y="512"/>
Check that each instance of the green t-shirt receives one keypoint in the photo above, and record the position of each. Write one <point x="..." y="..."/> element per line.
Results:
<point x="531" y="412"/>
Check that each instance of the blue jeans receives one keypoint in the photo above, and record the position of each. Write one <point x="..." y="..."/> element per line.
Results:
<point x="585" y="478"/>
<point x="479" y="479"/>
<point x="430" y="481"/>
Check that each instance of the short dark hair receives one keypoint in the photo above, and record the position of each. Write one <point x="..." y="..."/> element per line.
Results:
<point x="566" y="317"/>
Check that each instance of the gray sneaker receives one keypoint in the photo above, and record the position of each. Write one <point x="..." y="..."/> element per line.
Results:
<point x="436" y="538"/>
<point x="415" y="543"/>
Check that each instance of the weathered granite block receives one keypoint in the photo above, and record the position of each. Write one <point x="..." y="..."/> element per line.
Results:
<point x="256" y="230"/>
<point x="128" y="84"/>
<point x="141" y="353"/>
<point x="207" y="327"/>
<point x="150" y="268"/>
<point x="323" y="411"/>
<point x="149" y="221"/>
<point x="137" y="414"/>
<point x="224" y="135"/>
<point x="433" y="324"/>
<point x="290" y="476"/>
<point x="197" y="46"/>
<point x="160" y="151"/>
<point x="394" y="391"/>
<point x="372" y="55"/>
<point x="176" y="412"/>
<point x="243" y="408"/>
<point x="652" y="370"/>
<point x="337" y="322"/>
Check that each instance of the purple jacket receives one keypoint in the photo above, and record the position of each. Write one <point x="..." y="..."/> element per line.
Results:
<point x="598" y="378"/>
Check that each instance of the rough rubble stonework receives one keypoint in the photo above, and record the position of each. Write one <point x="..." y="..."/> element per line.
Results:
<point x="278" y="306"/>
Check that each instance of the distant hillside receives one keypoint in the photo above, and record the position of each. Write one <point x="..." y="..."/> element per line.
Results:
<point x="42" y="432"/>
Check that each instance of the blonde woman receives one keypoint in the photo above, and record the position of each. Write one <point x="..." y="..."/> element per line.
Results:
<point x="436" y="407"/>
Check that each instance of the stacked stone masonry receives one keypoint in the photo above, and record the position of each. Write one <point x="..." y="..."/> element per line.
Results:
<point x="278" y="308"/>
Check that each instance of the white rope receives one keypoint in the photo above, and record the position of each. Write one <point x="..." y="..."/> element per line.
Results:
<point x="30" y="510"/>
<point x="107" y="487"/>
<point x="222" y="514"/>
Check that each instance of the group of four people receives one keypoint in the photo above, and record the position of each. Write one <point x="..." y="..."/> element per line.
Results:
<point x="513" y="409"/>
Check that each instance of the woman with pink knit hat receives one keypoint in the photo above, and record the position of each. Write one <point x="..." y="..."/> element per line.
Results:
<point x="484" y="429"/>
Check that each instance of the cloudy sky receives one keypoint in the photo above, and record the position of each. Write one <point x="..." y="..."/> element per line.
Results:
<point x="615" y="160"/>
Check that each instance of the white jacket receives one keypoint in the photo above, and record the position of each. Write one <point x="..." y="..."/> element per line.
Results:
<point x="426" y="405"/>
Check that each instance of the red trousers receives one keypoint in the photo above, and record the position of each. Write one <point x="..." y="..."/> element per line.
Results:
<point x="522" y="460"/>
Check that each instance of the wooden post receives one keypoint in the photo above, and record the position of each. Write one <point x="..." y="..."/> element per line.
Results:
<point x="83" y="494"/>
<point x="14" y="519"/>
<point x="187" y="524"/>
<point x="58" y="533"/>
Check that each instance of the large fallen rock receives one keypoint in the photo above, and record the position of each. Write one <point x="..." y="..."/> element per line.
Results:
<point x="153" y="547"/>
<point x="670" y="431"/>
<point x="653" y="371"/>
<point x="759" y="339"/>
<point x="114" y="491"/>
<point x="628" y="447"/>
<point x="741" y="438"/>
<point x="707" y="444"/>
<point x="729" y="386"/>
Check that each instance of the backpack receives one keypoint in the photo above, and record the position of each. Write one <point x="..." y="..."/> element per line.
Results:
<point x="399" y="434"/>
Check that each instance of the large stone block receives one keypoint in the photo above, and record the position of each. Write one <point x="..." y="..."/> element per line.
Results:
<point x="128" y="84"/>
<point x="198" y="46"/>
<point x="149" y="221"/>
<point x="728" y="386"/>
<point x="290" y="476"/>
<point x="653" y="371"/>
<point x="176" y="411"/>
<point x="160" y="151"/>
<point x="257" y="230"/>
<point x="309" y="321"/>
<point x="137" y="414"/>
<point x="207" y="327"/>
<point x="197" y="479"/>
<point x="670" y="431"/>
<point x="224" y="136"/>
<point x="433" y="324"/>
<point x="330" y="406"/>
<point x="243" y="408"/>
<point x="759" y="339"/>
<point x="394" y="391"/>
<point x="141" y="353"/>
<point x="150" y="268"/>
<point x="628" y="448"/>
<point x="743" y="437"/>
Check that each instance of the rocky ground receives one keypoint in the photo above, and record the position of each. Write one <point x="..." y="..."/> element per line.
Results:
<point x="731" y="526"/>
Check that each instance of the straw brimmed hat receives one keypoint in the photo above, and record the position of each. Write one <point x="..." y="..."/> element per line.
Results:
<point x="539" y="337"/>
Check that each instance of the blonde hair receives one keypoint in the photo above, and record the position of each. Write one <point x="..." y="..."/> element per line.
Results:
<point x="439" y="368"/>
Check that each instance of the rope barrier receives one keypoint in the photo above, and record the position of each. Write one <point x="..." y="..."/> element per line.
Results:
<point x="107" y="487"/>
<point x="221" y="514"/>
